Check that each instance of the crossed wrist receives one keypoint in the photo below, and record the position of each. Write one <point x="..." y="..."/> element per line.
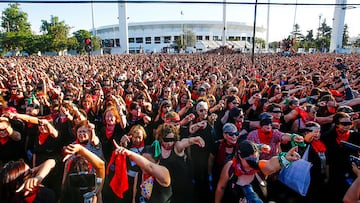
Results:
<point x="283" y="161"/>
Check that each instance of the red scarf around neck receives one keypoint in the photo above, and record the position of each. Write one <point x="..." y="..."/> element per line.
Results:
<point x="265" y="137"/>
<point x="318" y="146"/>
<point x="238" y="170"/>
<point x="221" y="155"/>
<point x="238" y="125"/>
<point x="109" y="131"/>
<point x="4" y="140"/>
<point x="43" y="137"/>
<point x="342" y="135"/>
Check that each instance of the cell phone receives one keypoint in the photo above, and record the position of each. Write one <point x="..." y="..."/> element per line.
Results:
<point x="81" y="180"/>
<point x="354" y="159"/>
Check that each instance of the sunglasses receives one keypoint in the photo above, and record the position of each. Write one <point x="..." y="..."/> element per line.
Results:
<point x="276" y="112"/>
<point x="348" y="123"/>
<point x="232" y="134"/>
<point x="235" y="103"/>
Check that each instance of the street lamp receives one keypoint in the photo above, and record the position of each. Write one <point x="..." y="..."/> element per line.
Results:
<point x="320" y="15"/>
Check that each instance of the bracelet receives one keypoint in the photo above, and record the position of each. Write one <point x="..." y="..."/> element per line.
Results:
<point x="293" y="143"/>
<point x="259" y="146"/>
<point x="283" y="161"/>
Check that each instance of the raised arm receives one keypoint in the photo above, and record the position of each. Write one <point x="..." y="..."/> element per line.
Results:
<point x="274" y="164"/>
<point x="161" y="173"/>
<point x="186" y="142"/>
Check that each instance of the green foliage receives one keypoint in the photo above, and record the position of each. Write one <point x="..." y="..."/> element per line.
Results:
<point x="57" y="32"/>
<point x="80" y="37"/>
<point x="15" y="28"/>
<point x="260" y="42"/>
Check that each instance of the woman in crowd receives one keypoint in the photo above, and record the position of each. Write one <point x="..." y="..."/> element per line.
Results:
<point x="113" y="129"/>
<point x="152" y="183"/>
<point x="317" y="156"/>
<point x="84" y="163"/>
<point x="135" y="142"/>
<point x="20" y="183"/>
<point x="174" y="158"/>
<point x="340" y="172"/>
<point x="238" y="173"/>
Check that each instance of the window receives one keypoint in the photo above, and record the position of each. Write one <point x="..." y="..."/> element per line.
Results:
<point x="139" y="40"/>
<point x="131" y="40"/>
<point x="199" y="37"/>
<point x="243" y="38"/>
<point x="167" y="39"/>
<point x="216" y="38"/>
<point x="207" y="37"/>
<point x="157" y="40"/>
<point x="147" y="40"/>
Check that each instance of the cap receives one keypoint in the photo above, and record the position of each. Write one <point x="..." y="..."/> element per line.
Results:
<point x="229" y="127"/>
<point x="246" y="148"/>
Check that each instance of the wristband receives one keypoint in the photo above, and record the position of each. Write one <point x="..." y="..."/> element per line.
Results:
<point x="259" y="146"/>
<point x="293" y="143"/>
<point x="283" y="161"/>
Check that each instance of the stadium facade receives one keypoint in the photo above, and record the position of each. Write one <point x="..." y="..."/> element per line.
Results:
<point x="159" y="36"/>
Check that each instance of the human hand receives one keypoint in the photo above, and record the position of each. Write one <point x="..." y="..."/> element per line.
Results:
<point x="125" y="139"/>
<point x="198" y="141"/>
<point x="120" y="150"/>
<point x="265" y="148"/>
<point x="70" y="150"/>
<point x="292" y="154"/>
<point x="29" y="185"/>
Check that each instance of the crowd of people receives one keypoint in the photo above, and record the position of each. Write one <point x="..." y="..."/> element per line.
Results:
<point x="178" y="127"/>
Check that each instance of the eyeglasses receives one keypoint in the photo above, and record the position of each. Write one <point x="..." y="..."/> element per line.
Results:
<point x="232" y="134"/>
<point x="347" y="123"/>
<point x="236" y="103"/>
<point x="276" y="112"/>
<point x="166" y="91"/>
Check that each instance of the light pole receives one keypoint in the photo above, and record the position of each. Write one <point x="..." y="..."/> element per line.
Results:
<point x="253" y="37"/>
<point x="320" y="15"/>
<point x="183" y="32"/>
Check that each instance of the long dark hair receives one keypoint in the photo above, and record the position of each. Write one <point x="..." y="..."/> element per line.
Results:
<point x="12" y="176"/>
<point x="70" y="193"/>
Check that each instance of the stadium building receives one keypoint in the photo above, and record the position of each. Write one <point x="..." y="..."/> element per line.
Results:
<point x="160" y="36"/>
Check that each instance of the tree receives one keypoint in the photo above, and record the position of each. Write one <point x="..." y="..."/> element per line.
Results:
<point x="296" y="33"/>
<point x="188" y="39"/>
<point x="57" y="32"/>
<point x="345" y="37"/>
<point x="310" y="36"/>
<point x="260" y="42"/>
<point x="16" y="29"/>
<point x="80" y="36"/>
<point x="325" y="30"/>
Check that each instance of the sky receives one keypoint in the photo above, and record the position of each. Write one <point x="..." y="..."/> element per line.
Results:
<point x="281" y="20"/>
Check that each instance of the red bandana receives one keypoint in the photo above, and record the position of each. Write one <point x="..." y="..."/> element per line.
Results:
<point x="221" y="155"/>
<point x="4" y="140"/>
<point x="318" y="146"/>
<point x="109" y="131"/>
<point x="238" y="125"/>
<point x="43" y="137"/>
<point x="303" y="114"/>
<point x="142" y="144"/>
<point x="119" y="182"/>
<point x="236" y="164"/>
<point x="265" y="137"/>
<point x="342" y="135"/>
